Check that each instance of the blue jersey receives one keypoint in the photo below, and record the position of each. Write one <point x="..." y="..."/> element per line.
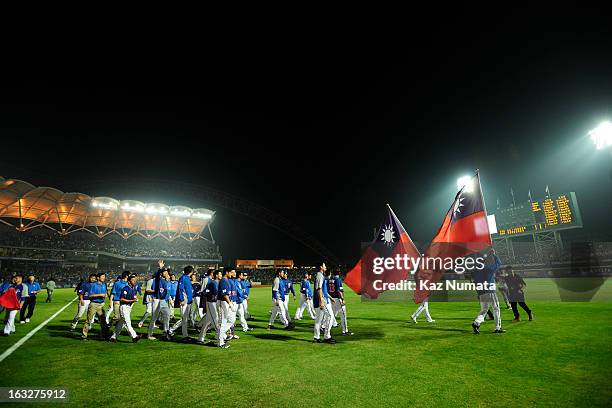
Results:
<point x="196" y="288"/>
<point x="278" y="289"/>
<point x="97" y="288"/>
<point x="240" y="293"/>
<point x="172" y="287"/>
<point x="245" y="285"/>
<point x="116" y="290"/>
<point x="289" y="287"/>
<point x="320" y="283"/>
<point x="486" y="274"/>
<point x="19" y="291"/>
<point x="225" y="288"/>
<point x="334" y="287"/>
<point x="211" y="291"/>
<point x="84" y="290"/>
<point x="156" y="286"/>
<point x="185" y="290"/>
<point x="127" y="293"/>
<point x="306" y="289"/>
<point x="33" y="287"/>
<point x="234" y="290"/>
<point x="164" y="289"/>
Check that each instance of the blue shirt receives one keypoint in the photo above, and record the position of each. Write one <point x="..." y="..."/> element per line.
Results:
<point x="172" y="287"/>
<point x="289" y="287"/>
<point x="305" y="288"/>
<point x="128" y="293"/>
<point x="234" y="287"/>
<point x="116" y="290"/>
<point x="156" y="286"/>
<point x="240" y="294"/>
<point x="33" y="287"/>
<point x="97" y="288"/>
<point x="225" y="288"/>
<point x="185" y="289"/>
<point x="164" y="289"/>
<point x="334" y="287"/>
<point x="211" y="290"/>
<point x="84" y="290"/>
<point x="315" y="296"/>
<point x="246" y="285"/>
<point x="278" y="293"/>
<point x="486" y="274"/>
<point x="19" y="291"/>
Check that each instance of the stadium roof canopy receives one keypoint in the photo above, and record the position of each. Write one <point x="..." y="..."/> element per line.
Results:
<point x="25" y="207"/>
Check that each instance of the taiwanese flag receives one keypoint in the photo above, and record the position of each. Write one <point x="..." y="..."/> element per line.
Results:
<point x="391" y="240"/>
<point x="464" y="231"/>
<point x="9" y="299"/>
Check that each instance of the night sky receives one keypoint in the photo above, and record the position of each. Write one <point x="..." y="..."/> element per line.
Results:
<point x="326" y="139"/>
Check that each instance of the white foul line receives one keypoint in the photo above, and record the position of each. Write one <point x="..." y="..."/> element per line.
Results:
<point x="25" y="338"/>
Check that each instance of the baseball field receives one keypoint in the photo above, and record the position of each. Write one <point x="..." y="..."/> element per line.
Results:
<point x="562" y="358"/>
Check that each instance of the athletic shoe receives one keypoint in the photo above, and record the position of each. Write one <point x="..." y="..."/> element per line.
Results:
<point x="413" y="319"/>
<point x="27" y="320"/>
<point x="83" y="337"/>
<point x="72" y="328"/>
<point x="186" y="340"/>
<point x="476" y="328"/>
<point x="518" y="319"/>
<point x="499" y="331"/>
<point x="225" y="346"/>
<point x="139" y="324"/>
<point x="431" y="321"/>
<point x="330" y="341"/>
<point x="166" y="336"/>
<point x="270" y="327"/>
<point x="296" y="319"/>
<point x="151" y="337"/>
<point x="289" y="327"/>
<point x="112" y="340"/>
<point x="348" y="333"/>
<point x="235" y="336"/>
<point x="22" y="322"/>
<point x="317" y="341"/>
<point x="530" y="317"/>
<point x="248" y="329"/>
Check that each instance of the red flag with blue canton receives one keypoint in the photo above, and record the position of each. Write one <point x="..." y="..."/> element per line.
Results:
<point x="464" y="231"/>
<point x="391" y="240"/>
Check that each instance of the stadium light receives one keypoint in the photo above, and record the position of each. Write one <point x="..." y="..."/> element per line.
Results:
<point x="465" y="181"/>
<point x="106" y="206"/>
<point x="203" y="216"/>
<point x="602" y="135"/>
<point x="181" y="213"/>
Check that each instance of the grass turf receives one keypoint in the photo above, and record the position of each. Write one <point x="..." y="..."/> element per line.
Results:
<point x="563" y="358"/>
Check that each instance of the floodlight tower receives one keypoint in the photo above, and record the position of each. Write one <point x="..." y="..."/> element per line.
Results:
<point x="602" y="136"/>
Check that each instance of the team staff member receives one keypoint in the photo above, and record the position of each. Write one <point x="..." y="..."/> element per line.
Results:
<point x="127" y="298"/>
<point x="21" y="290"/>
<point x="336" y="291"/>
<point x="97" y="293"/>
<point x="50" y="288"/>
<point x="321" y="302"/>
<point x="184" y="298"/>
<point x="211" y="318"/>
<point x="516" y="284"/>
<point x="305" y="298"/>
<point x="29" y="302"/>
<point x="83" y="294"/>
<point x="115" y="296"/>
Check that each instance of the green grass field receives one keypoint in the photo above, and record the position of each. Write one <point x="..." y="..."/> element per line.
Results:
<point x="562" y="358"/>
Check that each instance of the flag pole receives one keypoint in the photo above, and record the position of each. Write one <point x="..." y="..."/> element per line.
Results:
<point x="484" y="205"/>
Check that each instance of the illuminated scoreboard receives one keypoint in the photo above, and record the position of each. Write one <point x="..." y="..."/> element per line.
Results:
<point x="557" y="212"/>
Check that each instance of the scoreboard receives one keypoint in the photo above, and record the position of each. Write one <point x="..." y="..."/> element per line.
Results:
<point x="555" y="212"/>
